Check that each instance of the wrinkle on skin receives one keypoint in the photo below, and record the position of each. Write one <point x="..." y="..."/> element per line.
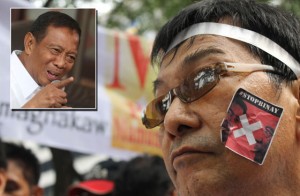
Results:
<point x="38" y="58"/>
<point x="184" y="51"/>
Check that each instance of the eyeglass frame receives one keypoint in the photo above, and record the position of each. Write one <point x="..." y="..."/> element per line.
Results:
<point x="223" y="67"/>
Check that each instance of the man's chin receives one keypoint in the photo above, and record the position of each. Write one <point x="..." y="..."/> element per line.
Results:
<point x="203" y="182"/>
<point x="44" y="82"/>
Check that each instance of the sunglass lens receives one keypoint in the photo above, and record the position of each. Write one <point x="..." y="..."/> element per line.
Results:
<point x="197" y="85"/>
<point x="193" y="87"/>
<point x="156" y="110"/>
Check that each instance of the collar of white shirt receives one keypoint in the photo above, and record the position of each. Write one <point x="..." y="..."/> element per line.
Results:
<point x="25" y="84"/>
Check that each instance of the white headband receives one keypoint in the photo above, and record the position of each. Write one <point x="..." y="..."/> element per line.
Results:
<point x="240" y="34"/>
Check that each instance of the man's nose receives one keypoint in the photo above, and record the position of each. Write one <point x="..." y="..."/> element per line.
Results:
<point x="181" y="119"/>
<point x="60" y="61"/>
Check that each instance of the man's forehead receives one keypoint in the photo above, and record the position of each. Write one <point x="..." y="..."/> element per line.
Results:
<point x="198" y="46"/>
<point x="62" y="36"/>
<point x="186" y="58"/>
<point x="59" y="29"/>
<point x="197" y="52"/>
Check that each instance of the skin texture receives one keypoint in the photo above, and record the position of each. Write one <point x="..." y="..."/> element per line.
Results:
<point x="197" y="161"/>
<point x="17" y="182"/>
<point x="3" y="179"/>
<point x="48" y="60"/>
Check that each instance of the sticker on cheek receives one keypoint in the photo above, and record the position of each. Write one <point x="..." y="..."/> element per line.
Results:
<point x="250" y="125"/>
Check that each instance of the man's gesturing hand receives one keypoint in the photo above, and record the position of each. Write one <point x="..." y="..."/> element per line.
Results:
<point x="51" y="96"/>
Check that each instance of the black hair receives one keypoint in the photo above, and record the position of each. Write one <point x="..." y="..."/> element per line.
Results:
<point x="26" y="160"/>
<point x="52" y="18"/>
<point x="143" y="176"/>
<point x="108" y="169"/>
<point x="2" y="156"/>
<point x="281" y="27"/>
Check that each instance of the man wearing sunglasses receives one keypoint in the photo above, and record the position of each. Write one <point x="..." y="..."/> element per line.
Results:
<point x="211" y="54"/>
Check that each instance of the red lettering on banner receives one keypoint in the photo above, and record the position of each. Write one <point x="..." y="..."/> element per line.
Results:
<point x="116" y="82"/>
<point x="135" y="110"/>
<point x="141" y="61"/>
<point x="127" y="134"/>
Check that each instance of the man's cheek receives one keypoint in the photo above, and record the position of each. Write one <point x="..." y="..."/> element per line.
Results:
<point x="70" y="67"/>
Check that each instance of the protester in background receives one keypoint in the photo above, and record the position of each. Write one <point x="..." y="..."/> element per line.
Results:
<point x="92" y="188"/>
<point x="108" y="169"/>
<point x="205" y="55"/>
<point x="37" y="72"/>
<point x="3" y="176"/>
<point x="99" y="180"/>
<point x="144" y="176"/>
<point x="23" y="172"/>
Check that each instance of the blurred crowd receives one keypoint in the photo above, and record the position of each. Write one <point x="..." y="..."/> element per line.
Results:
<point x="144" y="175"/>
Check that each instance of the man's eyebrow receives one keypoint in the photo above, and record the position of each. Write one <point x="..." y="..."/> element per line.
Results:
<point x="73" y="53"/>
<point x="55" y="45"/>
<point x="62" y="48"/>
<point x="200" y="54"/>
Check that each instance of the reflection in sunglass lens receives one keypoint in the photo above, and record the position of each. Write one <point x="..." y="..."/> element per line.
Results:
<point x="165" y="103"/>
<point x="197" y="85"/>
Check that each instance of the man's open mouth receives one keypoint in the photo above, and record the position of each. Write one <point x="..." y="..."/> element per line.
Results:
<point x="52" y="76"/>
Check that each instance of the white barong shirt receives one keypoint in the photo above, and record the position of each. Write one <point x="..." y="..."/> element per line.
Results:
<point x="22" y="85"/>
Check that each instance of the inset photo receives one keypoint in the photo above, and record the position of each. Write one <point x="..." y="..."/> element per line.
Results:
<point x="53" y="59"/>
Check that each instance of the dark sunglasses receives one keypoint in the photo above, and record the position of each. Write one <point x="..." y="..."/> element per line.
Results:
<point x="196" y="85"/>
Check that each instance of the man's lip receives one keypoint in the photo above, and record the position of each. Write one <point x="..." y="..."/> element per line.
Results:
<point x="53" y="75"/>
<point x="186" y="150"/>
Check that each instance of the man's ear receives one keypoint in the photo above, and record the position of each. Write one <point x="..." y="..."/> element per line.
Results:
<point x="296" y="92"/>
<point x="3" y="179"/>
<point x="29" y="42"/>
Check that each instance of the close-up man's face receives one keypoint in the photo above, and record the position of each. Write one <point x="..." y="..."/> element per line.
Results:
<point x="196" y="159"/>
<point x="54" y="56"/>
